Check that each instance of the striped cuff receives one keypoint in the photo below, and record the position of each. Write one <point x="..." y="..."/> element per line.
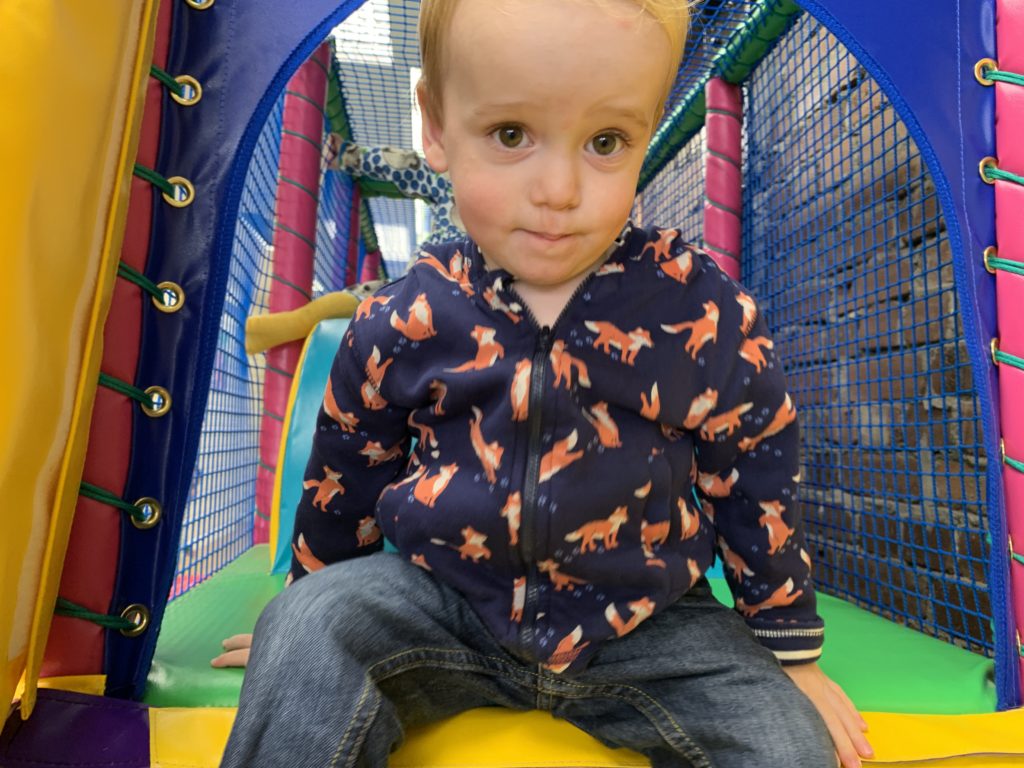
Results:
<point x="791" y="645"/>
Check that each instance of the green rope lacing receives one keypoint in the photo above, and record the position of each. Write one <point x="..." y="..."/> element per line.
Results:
<point x="167" y="80"/>
<point x="1007" y="265"/>
<point x="125" y="388"/>
<point x="154" y="178"/>
<point x="133" y="275"/>
<point x="104" y="496"/>
<point x="1006" y="357"/>
<point x="1018" y="465"/>
<point x="1006" y="77"/>
<point x="999" y="173"/>
<point x="65" y="607"/>
<point x="1018" y="558"/>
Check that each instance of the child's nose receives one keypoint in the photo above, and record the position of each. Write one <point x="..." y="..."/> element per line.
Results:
<point x="556" y="184"/>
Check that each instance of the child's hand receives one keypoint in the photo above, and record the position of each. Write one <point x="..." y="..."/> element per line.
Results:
<point x="236" y="652"/>
<point x="845" y="724"/>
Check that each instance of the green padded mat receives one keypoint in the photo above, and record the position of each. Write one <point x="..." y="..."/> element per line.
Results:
<point x="883" y="666"/>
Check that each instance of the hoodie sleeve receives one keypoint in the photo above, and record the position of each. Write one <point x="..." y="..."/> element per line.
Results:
<point x="748" y="468"/>
<point x="359" y="446"/>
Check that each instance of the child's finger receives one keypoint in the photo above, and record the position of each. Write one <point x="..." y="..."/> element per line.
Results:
<point x="237" y="641"/>
<point x="236" y="658"/>
<point x="851" y="721"/>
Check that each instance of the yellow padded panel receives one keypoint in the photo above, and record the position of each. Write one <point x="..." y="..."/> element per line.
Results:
<point x="497" y="738"/>
<point x="93" y="685"/>
<point x="74" y="73"/>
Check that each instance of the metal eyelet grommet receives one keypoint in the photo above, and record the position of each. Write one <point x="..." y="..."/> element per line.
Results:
<point x="193" y="90"/>
<point x="161" y="400"/>
<point x="184" y="192"/>
<point x="993" y="348"/>
<point x="983" y="66"/>
<point x="986" y="255"/>
<point x="199" y="5"/>
<point x="173" y="297"/>
<point x="154" y="511"/>
<point x="987" y="162"/>
<point x="1002" y="450"/>
<point x="138" y="615"/>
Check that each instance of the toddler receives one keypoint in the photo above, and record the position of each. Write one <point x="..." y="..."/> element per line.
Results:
<point x="597" y="411"/>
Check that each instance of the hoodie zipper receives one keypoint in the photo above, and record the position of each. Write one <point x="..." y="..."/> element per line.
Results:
<point x="535" y="446"/>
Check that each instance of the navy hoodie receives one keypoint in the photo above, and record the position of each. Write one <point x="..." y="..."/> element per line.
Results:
<point x="571" y="481"/>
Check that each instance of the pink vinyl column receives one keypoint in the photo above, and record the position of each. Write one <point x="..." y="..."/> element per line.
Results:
<point x="298" y="191"/>
<point x="723" y="174"/>
<point x="1010" y="287"/>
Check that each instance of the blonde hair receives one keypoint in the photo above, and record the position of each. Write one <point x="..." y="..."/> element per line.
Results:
<point x="436" y="16"/>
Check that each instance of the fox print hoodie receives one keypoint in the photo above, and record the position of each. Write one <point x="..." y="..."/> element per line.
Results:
<point x="571" y="481"/>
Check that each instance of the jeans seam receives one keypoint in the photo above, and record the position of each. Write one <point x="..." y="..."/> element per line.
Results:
<point x="355" y="716"/>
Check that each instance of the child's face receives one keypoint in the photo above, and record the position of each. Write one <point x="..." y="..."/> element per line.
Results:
<point x="548" y="107"/>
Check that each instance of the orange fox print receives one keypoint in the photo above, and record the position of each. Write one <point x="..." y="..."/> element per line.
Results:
<point x="690" y="520"/>
<point x="752" y="350"/>
<point x="652" y="534"/>
<point x="708" y="509"/>
<point x="455" y="271"/>
<point x="473" y="545"/>
<point x="377" y="454"/>
<point x="693" y="569"/>
<point x="372" y="398"/>
<point x="420" y="323"/>
<point x="662" y="247"/>
<point x="678" y="268"/>
<point x="326" y="489"/>
<point x="715" y="486"/>
<point x="520" y="392"/>
<point x="606" y="530"/>
<point x="567" y="651"/>
<point x="559" y="457"/>
<point x="629" y="344"/>
<point x="488" y="350"/>
<point x="366" y="305"/>
<point x="367" y="533"/>
<point x="778" y="531"/>
<point x="428" y="438"/>
<point x="607" y="429"/>
<point x="344" y="419"/>
<point x="785" y="416"/>
<point x="702" y="330"/>
<point x="562" y="363"/>
<point x="807" y="560"/>
<point x="650" y="408"/>
<point x="781" y="597"/>
<point x="734" y="562"/>
<point x="421" y="561"/>
<point x="511" y="511"/>
<point x="560" y="580"/>
<point x="610" y="269"/>
<point x="643" y="491"/>
<point x="727" y="421"/>
<point x="489" y="453"/>
<point x="641" y="609"/>
<point x="438" y="392"/>
<point x="700" y="407"/>
<point x="749" y="312"/>
<point x="304" y="555"/>
<point x="429" y="487"/>
<point x="511" y="311"/>
<point x="518" y="599"/>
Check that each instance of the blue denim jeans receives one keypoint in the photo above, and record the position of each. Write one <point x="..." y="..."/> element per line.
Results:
<point x="347" y="657"/>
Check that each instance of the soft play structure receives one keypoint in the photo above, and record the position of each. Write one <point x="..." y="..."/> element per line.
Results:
<point x="179" y="257"/>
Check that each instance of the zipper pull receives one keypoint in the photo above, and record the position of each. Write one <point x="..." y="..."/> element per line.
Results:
<point x="545" y="341"/>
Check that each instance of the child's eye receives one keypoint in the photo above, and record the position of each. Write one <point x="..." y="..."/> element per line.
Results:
<point x="510" y="136"/>
<point x="608" y="143"/>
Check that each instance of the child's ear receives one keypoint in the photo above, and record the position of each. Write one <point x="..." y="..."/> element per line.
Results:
<point x="433" y="133"/>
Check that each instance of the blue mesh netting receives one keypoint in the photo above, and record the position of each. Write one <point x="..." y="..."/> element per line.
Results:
<point x="848" y="253"/>
<point x="219" y="514"/>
